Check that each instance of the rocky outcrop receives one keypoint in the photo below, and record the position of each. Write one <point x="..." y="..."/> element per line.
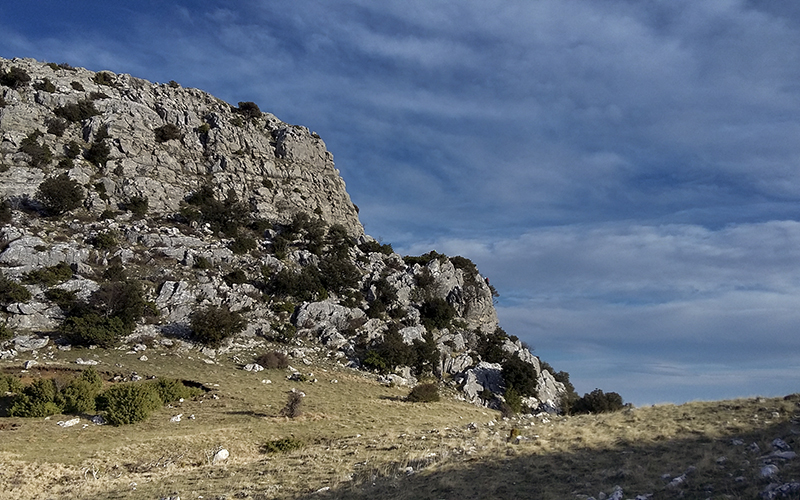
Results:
<point x="276" y="168"/>
<point x="298" y="266"/>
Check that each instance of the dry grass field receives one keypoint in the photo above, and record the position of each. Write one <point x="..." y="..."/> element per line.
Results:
<point x="358" y="439"/>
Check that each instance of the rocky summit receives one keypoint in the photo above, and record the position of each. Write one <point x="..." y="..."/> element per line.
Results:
<point x="137" y="211"/>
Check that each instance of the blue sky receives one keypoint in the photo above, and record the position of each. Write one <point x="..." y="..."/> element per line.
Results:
<point x="625" y="172"/>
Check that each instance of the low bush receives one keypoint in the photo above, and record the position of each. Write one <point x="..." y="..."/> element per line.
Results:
<point x="104" y="78"/>
<point x="40" y="154"/>
<point x="294" y="403"/>
<point x="273" y="360"/>
<point x="49" y="276"/>
<point x="423" y="393"/>
<point x="242" y="244"/>
<point x="15" y="77"/>
<point x="137" y="205"/>
<point x="36" y="400"/>
<point x="6" y="333"/>
<point x="170" y="390"/>
<point x="373" y="246"/>
<point x="11" y="291"/>
<point x="92" y="329"/>
<point x="104" y="241"/>
<point x="45" y="85"/>
<point x="79" y="396"/>
<point x="73" y="149"/>
<point x="10" y="383"/>
<point x="98" y="153"/>
<point x="513" y="400"/>
<point x="77" y="112"/>
<point x="129" y="403"/>
<point x="212" y="325"/>
<point x="77" y="86"/>
<point x="168" y="132"/>
<point x="235" y="277"/>
<point x="282" y="445"/>
<point x="65" y="299"/>
<point x="60" y="194"/>
<point x="248" y="109"/>
<point x="57" y="126"/>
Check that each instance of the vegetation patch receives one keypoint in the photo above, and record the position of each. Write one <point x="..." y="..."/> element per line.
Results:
<point x="213" y="324"/>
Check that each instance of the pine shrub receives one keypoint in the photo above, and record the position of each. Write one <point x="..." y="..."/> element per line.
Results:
<point x="212" y="325"/>
<point x="11" y="291"/>
<point x="282" y="445"/>
<point x="60" y="194"/>
<point x="129" y="403"/>
<point x="168" y="132"/>
<point x="77" y="112"/>
<point x="49" y="276"/>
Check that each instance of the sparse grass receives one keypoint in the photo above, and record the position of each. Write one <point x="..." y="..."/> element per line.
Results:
<point x="358" y="438"/>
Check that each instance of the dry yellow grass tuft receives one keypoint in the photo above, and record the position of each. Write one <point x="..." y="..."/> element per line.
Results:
<point x="359" y="439"/>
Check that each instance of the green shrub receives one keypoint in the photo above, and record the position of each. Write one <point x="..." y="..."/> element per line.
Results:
<point x="129" y="403"/>
<point x="60" y="194"/>
<point x="294" y="404"/>
<point x="39" y="154"/>
<point x="490" y="346"/>
<point x="79" y="396"/>
<point x="98" y="153"/>
<point x="3" y="102"/>
<point x="65" y="299"/>
<point x="15" y="77"/>
<point x="304" y="285"/>
<point x="11" y="291"/>
<point x="92" y="329"/>
<point x="104" y="78"/>
<point x="202" y="263"/>
<point x="49" y="276"/>
<point x="423" y="393"/>
<point x="77" y="86"/>
<point x="598" y="402"/>
<point x="72" y="149"/>
<point x="436" y="313"/>
<point x="235" y="277"/>
<point x="223" y="216"/>
<point x="6" y="333"/>
<point x="10" y="383"/>
<point x="168" y="132"/>
<point x="513" y="400"/>
<point x="212" y="325"/>
<point x="338" y="274"/>
<point x="242" y="244"/>
<point x="373" y="246"/>
<point x="520" y="375"/>
<point x="36" y="400"/>
<point x="282" y="445"/>
<point x="57" y="126"/>
<point x="120" y="299"/>
<point x="77" y="112"/>
<point x="45" y="85"/>
<point x="104" y="241"/>
<point x="170" y="390"/>
<point x="203" y="129"/>
<point x="248" y="109"/>
<point x="137" y="205"/>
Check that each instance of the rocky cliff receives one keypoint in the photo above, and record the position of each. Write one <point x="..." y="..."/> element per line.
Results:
<point x="131" y="207"/>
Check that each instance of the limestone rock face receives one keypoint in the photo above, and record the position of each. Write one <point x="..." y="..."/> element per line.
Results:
<point x="276" y="168"/>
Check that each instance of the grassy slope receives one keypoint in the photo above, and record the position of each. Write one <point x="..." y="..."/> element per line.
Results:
<point x="360" y="438"/>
